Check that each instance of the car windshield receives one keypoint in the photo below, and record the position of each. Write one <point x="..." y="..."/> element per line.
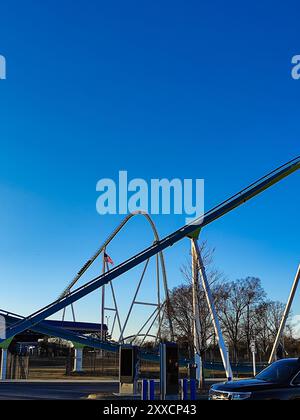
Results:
<point x="282" y="371"/>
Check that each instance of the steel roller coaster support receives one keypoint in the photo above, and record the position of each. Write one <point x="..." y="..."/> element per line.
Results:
<point x="219" y="211"/>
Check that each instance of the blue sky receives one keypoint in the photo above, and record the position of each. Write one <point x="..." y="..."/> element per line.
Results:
<point x="161" y="89"/>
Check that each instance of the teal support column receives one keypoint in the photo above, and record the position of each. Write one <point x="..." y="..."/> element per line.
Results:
<point x="4" y="353"/>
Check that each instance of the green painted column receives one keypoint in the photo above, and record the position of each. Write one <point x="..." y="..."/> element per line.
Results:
<point x="4" y="350"/>
<point x="195" y="234"/>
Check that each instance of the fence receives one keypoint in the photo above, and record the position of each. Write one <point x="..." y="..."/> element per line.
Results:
<point x="105" y="365"/>
<point x="17" y="367"/>
<point x="102" y="364"/>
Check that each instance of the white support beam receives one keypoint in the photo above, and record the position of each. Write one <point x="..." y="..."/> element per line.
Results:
<point x="196" y="318"/>
<point x="103" y="300"/>
<point x="285" y="316"/>
<point x="213" y="312"/>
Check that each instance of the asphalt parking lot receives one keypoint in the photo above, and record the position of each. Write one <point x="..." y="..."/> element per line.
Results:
<point x="62" y="390"/>
<point x="54" y="390"/>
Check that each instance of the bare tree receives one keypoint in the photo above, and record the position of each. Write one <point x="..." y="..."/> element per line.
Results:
<point x="244" y="312"/>
<point x="182" y="307"/>
<point x="254" y="296"/>
<point x="231" y="310"/>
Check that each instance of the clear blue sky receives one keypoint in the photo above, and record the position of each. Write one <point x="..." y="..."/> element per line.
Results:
<point x="161" y="89"/>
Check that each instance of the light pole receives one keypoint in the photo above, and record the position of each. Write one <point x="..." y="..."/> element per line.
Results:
<point x="253" y="351"/>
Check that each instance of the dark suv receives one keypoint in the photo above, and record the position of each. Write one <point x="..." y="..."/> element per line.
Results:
<point x="279" y="381"/>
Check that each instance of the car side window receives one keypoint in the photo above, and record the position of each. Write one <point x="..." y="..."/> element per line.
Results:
<point x="296" y="381"/>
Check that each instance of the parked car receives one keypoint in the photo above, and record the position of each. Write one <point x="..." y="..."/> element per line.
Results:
<point x="279" y="381"/>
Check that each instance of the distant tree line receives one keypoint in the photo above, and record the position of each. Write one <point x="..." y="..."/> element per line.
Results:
<point x="245" y="313"/>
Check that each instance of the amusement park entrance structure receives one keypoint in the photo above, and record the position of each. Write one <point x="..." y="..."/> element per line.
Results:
<point x="36" y="321"/>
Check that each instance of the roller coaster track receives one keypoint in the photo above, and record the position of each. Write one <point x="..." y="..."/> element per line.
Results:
<point x="217" y="212"/>
<point x="102" y="248"/>
<point x="110" y="347"/>
<point x="51" y="331"/>
<point x="75" y="338"/>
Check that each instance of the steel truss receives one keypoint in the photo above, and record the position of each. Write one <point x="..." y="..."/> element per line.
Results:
<point x="227" y="206"/>
<point x="162" y="304"/>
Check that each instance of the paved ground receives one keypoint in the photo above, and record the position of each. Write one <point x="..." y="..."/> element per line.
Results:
<point x="62" y="390"/>
<point x="54" y="390"/>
